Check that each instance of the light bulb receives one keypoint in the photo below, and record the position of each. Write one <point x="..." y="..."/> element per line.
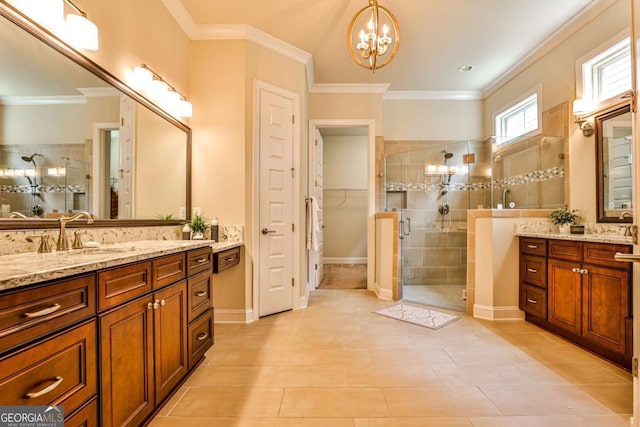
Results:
<point x="185" y="108"/>
<point x="81" y="32"/>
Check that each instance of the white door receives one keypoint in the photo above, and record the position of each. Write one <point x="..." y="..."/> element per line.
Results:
<point x="276" y="203"/>
<point x="319" y="191"/>
<point x="127" y="142"/>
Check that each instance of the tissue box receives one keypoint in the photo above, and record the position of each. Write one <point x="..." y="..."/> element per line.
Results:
<point x="577" y="229"/>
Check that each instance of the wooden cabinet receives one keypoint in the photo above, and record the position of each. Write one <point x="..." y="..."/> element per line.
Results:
<point x="60" y="370"/>
<point x="226" y="259"/>
<point x="586" y="294"/>
<point x="146" y="344"/>
<point x="109" y="345"/>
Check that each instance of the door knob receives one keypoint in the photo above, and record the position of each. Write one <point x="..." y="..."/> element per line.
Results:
<point x="267" y="231"/>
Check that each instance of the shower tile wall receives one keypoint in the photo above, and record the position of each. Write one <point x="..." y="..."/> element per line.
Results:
<point x="435" y="252"/>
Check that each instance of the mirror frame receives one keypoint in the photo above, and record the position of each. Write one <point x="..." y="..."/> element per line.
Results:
<point x="7" y="11"/>
<point x="598" y="125"/>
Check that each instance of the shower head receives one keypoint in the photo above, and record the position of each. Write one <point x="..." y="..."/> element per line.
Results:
<point x="29" y="159"/>
<point x="446" y="154"/>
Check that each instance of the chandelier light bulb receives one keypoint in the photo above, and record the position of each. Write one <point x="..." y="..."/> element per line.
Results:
<point x="377" y="33"/>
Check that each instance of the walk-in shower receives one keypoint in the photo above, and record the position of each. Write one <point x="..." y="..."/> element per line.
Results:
<point x="435" y="185"/>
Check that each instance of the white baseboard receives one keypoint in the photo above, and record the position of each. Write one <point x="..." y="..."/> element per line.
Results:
<point x="385" y="294"/>
<point x="488" y="312"/>
<point x="304" y="300"/>
<point x="233" y="315"/>
<point x="328" y="260"/>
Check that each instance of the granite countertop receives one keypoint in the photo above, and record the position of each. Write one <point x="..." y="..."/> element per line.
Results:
<point x="599" y="233"/>
<point x="29" y="268"/>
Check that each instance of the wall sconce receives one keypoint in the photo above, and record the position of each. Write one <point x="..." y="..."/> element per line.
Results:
<point x="75" y="29"/>
<point x="580" y="108"/>
<point x="147" y="81"/>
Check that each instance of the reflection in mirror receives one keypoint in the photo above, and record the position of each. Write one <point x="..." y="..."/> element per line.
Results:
<point x="78" y="140"/>
<point x="614" y="165"/>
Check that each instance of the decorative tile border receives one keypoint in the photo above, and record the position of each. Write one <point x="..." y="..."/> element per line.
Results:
<point x="527" y="178"/>
<point x="43" y="189"/>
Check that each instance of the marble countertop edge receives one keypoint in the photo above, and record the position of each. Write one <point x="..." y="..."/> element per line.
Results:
<point x="25" y="269"/>
<point x="597" y="238"/>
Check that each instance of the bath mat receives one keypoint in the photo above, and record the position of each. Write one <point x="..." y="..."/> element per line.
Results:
<point x="420" y="316"/>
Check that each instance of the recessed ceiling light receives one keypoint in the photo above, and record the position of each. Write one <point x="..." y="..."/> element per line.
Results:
<point x="464" y="68"/>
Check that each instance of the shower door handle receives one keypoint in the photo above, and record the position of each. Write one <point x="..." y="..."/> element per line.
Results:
<point x="407" y="233"/>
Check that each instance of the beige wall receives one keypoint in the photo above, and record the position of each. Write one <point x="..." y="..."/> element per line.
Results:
<point x="345" y="211"/>
<point x="556" y="72"/>
<point x="43" y="124"/>
<point x="222" y="82"/>
<point x="343" y="106"/>
<point x="419" y="120"/>
<point x="136" y="32"/>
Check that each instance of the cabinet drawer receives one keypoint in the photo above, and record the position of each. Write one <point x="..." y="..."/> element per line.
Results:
<point x="565" y="249"/>
<point x="200" y="299"/>
<point x="533" y="270"/>
<point x="87" y="416"/>
<point x="59" y="371"/>
<point x="168" y="269"/>
<point x="533" y="301"/>
<point x="530" y="245"/>
<point x="123" y="283"/>
<point x="225" y="259"/>
<point x="199" y="260"/>
<point x="602" y="254"/>
<point x="30" y="313"/>
<point x="200" y="337"/>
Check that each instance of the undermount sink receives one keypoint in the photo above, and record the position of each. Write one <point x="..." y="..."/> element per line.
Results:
<point x="96" y="251"/>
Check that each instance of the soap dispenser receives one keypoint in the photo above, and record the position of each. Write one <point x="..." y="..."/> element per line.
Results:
<point x="214" y="229"/>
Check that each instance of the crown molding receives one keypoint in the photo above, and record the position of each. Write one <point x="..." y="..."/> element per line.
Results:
<point x="99" y="92"/>
<point x="582" y="18"/>
<point x="43" y="100"/>
<point x="182" y="16"/>
<point x="428" y="95"/>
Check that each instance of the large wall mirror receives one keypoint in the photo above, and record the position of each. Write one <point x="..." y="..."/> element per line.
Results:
<point x="75" y="138"/>
<point x="614" y="164"/>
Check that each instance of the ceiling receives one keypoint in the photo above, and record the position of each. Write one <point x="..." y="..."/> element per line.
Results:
<point x="437" y="36"/>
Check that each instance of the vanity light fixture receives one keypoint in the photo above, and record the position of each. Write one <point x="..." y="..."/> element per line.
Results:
<point x="580" y="108"/>
<point x="150" y="84"/>
<point x="75" y="29"/>
<point x="79" y="31"/>
<point x="372" y="33"/>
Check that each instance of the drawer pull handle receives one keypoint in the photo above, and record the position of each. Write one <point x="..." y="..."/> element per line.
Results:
<point x="532" y="246"/>
<point x="532" y="270"/>
<point x="202" y="336"/>
<point x="229" y="259"/>
<point x="201" y="260"/>
<point x="201" y="293"/>
<point x="47" y="389"/>
<point x="149" y="306"/>
<point x="44" y="311"/>
<point x="532" y="301"/>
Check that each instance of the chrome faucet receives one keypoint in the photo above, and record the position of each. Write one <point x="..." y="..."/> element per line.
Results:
<point x="625" y="214"/>
<point x="63" y="244"/>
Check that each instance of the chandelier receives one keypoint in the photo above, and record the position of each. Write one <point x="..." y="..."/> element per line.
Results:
<point x="373" y="33"/>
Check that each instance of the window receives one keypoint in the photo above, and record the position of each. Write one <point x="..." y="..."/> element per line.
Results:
<point x="518" y="119"/>
<point x="606" y="73"/>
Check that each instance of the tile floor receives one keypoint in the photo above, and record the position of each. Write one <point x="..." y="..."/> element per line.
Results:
<point x="444" y="296"/>
<point x="344" y="276"/>
<point x="338" y="364"/>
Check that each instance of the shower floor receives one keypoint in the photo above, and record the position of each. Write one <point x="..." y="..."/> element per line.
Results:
<point x="442" y="296"/>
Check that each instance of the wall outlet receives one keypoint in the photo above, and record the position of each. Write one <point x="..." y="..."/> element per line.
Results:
<point x="183" y="212"/>
<point x="197" y="211"/>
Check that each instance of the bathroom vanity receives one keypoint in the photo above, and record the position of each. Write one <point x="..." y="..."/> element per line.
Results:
<point x="108" y="333"/>
<point x="573" y="286"/>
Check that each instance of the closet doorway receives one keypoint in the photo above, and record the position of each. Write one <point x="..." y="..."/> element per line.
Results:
<point x="341" y="181"/>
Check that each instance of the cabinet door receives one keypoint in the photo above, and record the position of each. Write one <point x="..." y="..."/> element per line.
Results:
<point x="170" y="337"/>
<point x="605" y="306"/>
<point x="126" y="351"/>
<point x="564" y="295"/>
